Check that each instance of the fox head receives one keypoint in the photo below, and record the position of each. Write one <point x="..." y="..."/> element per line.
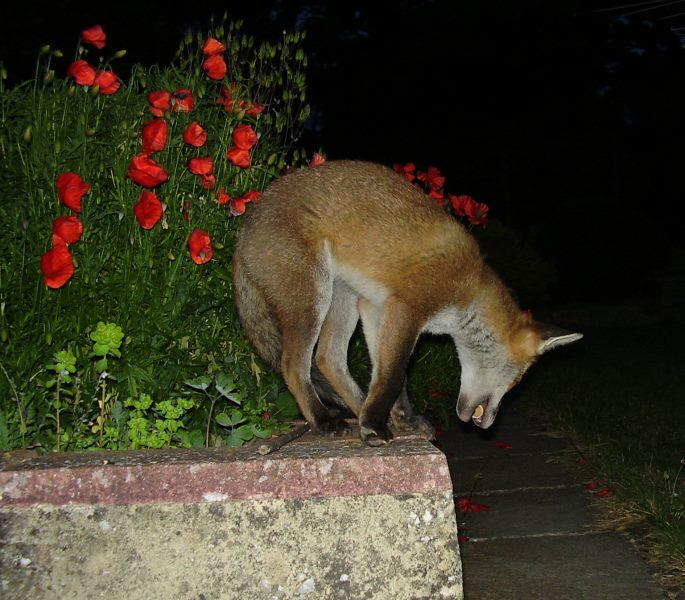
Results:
<point x="490" y="367"/>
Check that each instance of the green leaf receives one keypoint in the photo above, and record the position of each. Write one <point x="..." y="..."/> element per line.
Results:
<point x="224" y="384"/>
<point x="223" y="419"/>
<point x="286" y="407"/>
<point x="244" y="432"/>
<point x="262" y="433"/>
<point x="200" y="383"/>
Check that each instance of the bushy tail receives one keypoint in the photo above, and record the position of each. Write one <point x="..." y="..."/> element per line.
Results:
<point x="258" y="323"/>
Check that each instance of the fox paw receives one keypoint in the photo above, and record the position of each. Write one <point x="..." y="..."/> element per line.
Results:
<point x="417" y="425"/>
<point x="375" y="436"/>
<point x="332" y="427"/>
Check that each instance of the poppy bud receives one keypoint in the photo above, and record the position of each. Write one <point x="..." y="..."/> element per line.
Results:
<point x="57" y="53"/>
<point x="45" y="49"/>
<point x="120" y="54"/>
<point x="48" y="338"/>
<point x="28" y="134"/>
<point x="3" y="73"/>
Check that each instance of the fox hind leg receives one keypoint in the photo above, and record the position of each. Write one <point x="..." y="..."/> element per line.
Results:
<point x="334" y="338"/>
<point x="301" y="318"/>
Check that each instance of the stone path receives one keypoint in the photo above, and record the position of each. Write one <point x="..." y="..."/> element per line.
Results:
<point x="538" y="539"/>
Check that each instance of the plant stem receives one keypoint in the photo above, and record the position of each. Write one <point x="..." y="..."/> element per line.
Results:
<point x="209" y="420"/>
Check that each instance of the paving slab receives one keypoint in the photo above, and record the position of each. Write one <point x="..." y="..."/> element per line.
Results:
<point x="525" y="435"/>
<point x="508" y="471"/>
<point x="530" y="512"/>
<point x="586" y="567"/>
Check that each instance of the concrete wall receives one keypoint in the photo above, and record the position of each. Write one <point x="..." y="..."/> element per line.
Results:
<point x="319" y="518"/>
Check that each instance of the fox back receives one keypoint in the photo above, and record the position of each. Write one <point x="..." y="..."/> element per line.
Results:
<point x="326" y="246"/>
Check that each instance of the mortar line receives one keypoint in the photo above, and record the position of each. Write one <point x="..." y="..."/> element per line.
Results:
<point x="553" y="534"/>
<point x="542" y="488"/>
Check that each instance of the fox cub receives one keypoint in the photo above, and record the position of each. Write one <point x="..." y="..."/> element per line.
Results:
<point x="326" y="246"/>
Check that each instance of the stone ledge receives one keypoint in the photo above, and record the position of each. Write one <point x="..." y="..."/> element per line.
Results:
<point x="311" y="466"/>
<point x="320" y="518"/>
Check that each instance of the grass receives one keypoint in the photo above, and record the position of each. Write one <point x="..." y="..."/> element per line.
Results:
<point x="619" y="394"/>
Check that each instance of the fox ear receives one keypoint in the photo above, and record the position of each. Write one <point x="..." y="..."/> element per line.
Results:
<point x="551" y="337"/>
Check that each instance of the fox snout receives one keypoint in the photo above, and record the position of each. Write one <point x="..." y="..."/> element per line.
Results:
<point x="481" y="411"/>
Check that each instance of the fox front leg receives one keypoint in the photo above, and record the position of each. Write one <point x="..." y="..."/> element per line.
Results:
<point x="393" y="344"/>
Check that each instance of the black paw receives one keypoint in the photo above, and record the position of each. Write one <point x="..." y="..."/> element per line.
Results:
<point x="331" y="427"/>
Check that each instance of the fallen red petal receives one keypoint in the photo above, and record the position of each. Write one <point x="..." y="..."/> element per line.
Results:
<point x="503" y="445"/>
<point x="467" y="505"/>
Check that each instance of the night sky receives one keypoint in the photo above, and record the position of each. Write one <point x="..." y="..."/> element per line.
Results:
<point x="566" y="117"/>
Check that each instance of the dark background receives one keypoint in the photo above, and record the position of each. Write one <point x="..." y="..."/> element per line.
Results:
<point x="565" y="117"/>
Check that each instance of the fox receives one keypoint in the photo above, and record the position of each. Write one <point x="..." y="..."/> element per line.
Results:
<point x="327" y="246"/>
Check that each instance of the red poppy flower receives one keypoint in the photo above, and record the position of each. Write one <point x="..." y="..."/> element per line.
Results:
<point x="71" y="188"/>
<point x="81" y="72"/>
<point x="208" y="181"/>
<point x="107" y="82"/>
<point x="238" y="204"/>
<point x="592" y="485"/>
<point x="244" y="137"/>
<point x="477" y="213"/>
<point x="222" y="197"/>
<point x="462" y="539"/>
<point x="68" y="230"/>
<point x="146" y="172"/>
<point x="200" y="247"/>
<point x="213" y="46"/>
<point x="195" y="135"/>
<point x="407" y="171"/>
<point x="316" y="160"/>
<point x="203" y="165"/>
<point x="606" y="493"/>
<point x="438" y="196"/>
<point x="215" y="66"/>
<point x="226" y="99"/>
<point x="182" y="100"/>
<point x="503" y="445"/>
<point x="57" y="266"/>
<point x="154" y="135"/>
<point x="240" y="158"/>
<point x="148" y="210"/>
<point x="160" y="102"/>
<point x="459" y="203"/>
<point x="432" y="178"/>
<point x="94" y="36"/>
<point x="465" y="505"/>
<point x="254" y="109"/>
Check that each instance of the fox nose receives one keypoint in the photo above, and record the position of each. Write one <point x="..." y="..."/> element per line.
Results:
<point x="473" y="410"/>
